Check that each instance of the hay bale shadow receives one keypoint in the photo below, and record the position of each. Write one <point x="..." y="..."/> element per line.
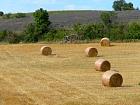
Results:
<point x="57" y="56"/>
<point x="53" y="55"/>
<point x="112" y="45"/>
<point x="127" y="86"/>
<point x="100" y="56"/>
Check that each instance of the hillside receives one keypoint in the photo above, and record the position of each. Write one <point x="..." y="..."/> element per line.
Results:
<point x="67" y="19"/>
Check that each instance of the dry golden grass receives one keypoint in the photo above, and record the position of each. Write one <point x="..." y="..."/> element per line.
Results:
<point x="67" y="77"/>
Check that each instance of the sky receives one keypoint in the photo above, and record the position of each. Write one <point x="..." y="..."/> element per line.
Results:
<point x="14" y="6"/>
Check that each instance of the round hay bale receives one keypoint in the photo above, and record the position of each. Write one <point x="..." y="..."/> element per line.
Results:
<point x="45" y="50"/>
<point x="112" y="79"/>
<point x="102" y="65"/>
<point x="91" y="52"/>
<point x="105" y="42"/>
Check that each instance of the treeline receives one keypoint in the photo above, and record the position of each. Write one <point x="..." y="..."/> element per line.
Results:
<point x="116" y="32"/>
<point x="11" y="16"/>
<point x="121" y="32"/>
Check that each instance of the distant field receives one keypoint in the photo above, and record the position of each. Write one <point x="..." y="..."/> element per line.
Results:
<point x="66" y="19"/>
<point x="67" y="77"/>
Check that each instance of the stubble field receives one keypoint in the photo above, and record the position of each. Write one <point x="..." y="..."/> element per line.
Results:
<point x="67" y="77"/>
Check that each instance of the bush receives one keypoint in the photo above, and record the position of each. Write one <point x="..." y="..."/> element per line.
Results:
<point x="9" y="36"/>
<point x="1" y="13"/>
<point x="3" y="34"/>
<point x="133" y="31"/>
<point x="12" y="37"/>
<point x="41" y="19"/>
<point x="55" y="35"/>
<point x="30" y="38"/>
<point x="118" y="32"/>
<point x="7" y="16"/>
<point x="90" y="31"/>
<point x="108" y="18"/>
<point x="19" y="15"/>
<point x="29" y="34"/>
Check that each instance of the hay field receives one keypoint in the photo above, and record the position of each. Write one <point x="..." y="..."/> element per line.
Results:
<point x="67" y="77"/>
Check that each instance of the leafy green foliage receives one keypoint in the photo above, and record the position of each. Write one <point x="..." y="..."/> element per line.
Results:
<point x="90" y="31"/>
<point x="108" y="21"/>
<point x="9" y="36"/>
<point x="30" y="29"/>
<point x="1" y="13"/>
<point x="11" y="16"/>
<point x="36" y="31"/>
<point x="56" y="35"/>
<point x="108" y="18"/>
<point x="30" y="35"/>
<point x="7" y="16"/>
<point x="120" y="32"/>
<point x="2" y="35"/>
<point x="12" y="37"/>
<point x="120" y="5"/>
<point x="42" y="22"/>
<point x="133" y="31"/>
<point x="116" y="31"/>
<point x="20" y="15"/>
<point x="30" y="38"/>
<point x="79" y="29"/>
<point x="128" y="6"/>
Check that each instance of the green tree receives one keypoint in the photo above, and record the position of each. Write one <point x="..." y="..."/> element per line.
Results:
<point x="128" y="6"/>
<point x="30" y="35"/>
<point x="30" y="29"/>
<point x="79" y="29"/>
<point x="133" y="31"/>
<point x="108" y="18"/>
<point x="89" y="31"/>
<point x="41" y="18"/>
<point x="12" y="37"/>
<point x="1" y="13"/>
<point x="56" y="35"/>
<point x="7" y="16"/>
<point x="120" y="5"/>
<point x="9" y="36"/>
<point x="20" y="15"/>
<point x="118" y="32"/>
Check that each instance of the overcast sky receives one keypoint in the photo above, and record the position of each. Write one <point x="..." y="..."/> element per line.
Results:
<point x="12" y="6"/>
